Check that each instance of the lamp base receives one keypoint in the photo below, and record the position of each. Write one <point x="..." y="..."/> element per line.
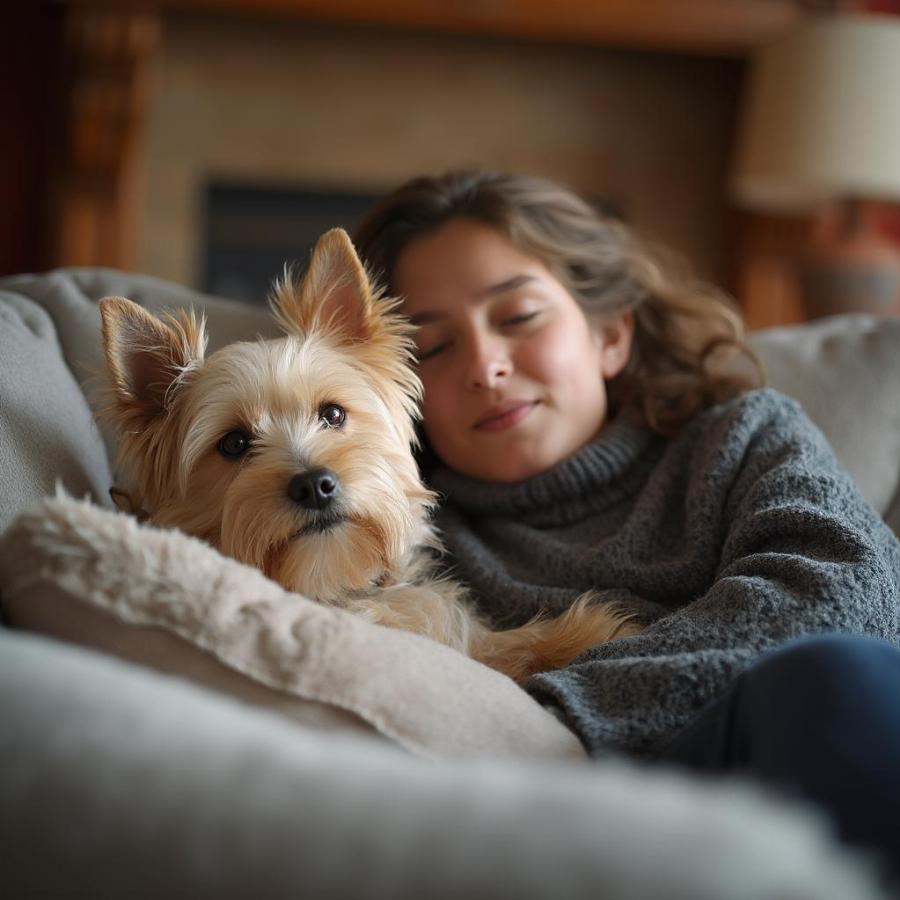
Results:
<point x="850" y="267"/>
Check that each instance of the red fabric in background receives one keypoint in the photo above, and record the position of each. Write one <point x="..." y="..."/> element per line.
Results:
<point x="887" y="220"/>
<point x="880" y="6"/>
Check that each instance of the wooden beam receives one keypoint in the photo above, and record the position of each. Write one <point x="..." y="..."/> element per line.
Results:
<point x="720" y="27"/>
<point x="107" y="58"/>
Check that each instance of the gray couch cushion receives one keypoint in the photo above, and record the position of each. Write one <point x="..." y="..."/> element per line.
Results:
<point x="46" y="429"/>
<point x="70" y="298"/>
<point x="845" y="370"/>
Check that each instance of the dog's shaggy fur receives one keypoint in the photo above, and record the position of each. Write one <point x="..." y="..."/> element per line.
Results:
<point x="295" y="455"/>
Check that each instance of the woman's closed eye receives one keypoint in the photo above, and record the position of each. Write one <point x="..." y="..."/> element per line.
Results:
<point x="424" y="354"/>
<point x="504" y="324"/>
<point x="520" y="318"/>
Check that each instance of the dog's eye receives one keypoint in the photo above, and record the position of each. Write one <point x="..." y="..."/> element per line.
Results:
<point x="332" y="415"/>
<point x="234" y="444"/>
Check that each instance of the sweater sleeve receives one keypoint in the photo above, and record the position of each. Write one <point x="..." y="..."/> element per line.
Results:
<point x="802" y="553"/>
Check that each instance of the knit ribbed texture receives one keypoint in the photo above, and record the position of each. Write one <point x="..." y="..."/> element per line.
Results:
<point x="741" y="533"/>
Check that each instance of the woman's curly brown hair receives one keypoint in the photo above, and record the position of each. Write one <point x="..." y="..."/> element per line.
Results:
<point x="689" y="339"/>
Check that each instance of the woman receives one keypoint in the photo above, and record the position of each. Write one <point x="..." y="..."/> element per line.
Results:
<point x="593" y="421"/>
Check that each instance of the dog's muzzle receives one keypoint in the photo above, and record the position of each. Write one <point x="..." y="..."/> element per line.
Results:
<point x="316" y="489"/>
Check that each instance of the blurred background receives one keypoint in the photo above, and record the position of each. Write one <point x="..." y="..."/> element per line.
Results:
<point x="209" y="141"/>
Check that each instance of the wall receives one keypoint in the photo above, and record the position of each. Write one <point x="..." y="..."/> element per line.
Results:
<point x="281" y="101"/>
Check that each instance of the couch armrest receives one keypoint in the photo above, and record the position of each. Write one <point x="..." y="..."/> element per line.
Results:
<point x="118" y="782"/>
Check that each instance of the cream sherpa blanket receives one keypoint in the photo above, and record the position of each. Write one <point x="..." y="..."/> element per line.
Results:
<point x="169" y="601"/>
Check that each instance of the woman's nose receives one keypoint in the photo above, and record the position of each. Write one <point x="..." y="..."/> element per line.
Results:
<point x="489" y="364"/>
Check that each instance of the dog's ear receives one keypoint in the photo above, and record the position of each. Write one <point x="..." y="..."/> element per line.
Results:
<point x="336" y="297"/>
<point x="147" y="357"/>
<point x="335" y="293"/>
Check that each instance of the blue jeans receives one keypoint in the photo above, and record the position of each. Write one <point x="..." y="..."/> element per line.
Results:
<point x="820" y="719"/>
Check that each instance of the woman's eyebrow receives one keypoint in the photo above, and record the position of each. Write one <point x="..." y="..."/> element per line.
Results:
<point x="501" y="287"/>
<point x="508" y="284"/>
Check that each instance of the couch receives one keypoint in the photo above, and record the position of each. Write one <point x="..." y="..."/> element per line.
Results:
<point x="144" y="753"/>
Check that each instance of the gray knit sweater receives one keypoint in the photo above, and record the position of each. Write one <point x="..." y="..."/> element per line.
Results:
<point x="737" y="535"/>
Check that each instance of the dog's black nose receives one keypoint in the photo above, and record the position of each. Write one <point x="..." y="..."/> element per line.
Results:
<point x="315" y="489"/>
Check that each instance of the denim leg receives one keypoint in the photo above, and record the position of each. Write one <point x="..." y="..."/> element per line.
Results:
<point x="819" y="718"/>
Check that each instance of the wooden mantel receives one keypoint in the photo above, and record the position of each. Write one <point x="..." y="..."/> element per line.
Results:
<point x="110" y="46"/>
<point x="104" y="52"/>
<point x="723" y="27"/>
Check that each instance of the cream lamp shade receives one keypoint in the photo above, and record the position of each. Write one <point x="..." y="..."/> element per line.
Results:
<point x="821" y="119"/>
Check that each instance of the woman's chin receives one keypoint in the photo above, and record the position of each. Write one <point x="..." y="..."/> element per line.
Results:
<point x="515" y="462"/>
<point x="506" y="469"/>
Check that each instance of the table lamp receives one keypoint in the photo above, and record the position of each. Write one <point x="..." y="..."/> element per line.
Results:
<point x="820" y="135"/>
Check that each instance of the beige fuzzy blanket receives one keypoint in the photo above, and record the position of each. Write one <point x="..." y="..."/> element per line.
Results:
<point x="165" y="600"/>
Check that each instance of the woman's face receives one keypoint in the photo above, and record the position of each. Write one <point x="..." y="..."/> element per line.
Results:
<point x="513" y="371"/>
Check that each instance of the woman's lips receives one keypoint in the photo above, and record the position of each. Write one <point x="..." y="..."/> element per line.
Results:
<point x="506" y="415"/>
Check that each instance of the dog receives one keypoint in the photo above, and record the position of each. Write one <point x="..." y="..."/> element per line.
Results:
<point x="295" y="455"/>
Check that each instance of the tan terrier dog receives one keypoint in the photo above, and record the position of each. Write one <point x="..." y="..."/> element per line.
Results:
<point x="295" y="456"/>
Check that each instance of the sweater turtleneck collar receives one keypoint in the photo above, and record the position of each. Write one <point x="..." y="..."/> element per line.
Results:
<point x="603" y="466"/>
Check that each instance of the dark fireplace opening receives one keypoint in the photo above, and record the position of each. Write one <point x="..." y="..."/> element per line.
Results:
<point x="252" y="230"/>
